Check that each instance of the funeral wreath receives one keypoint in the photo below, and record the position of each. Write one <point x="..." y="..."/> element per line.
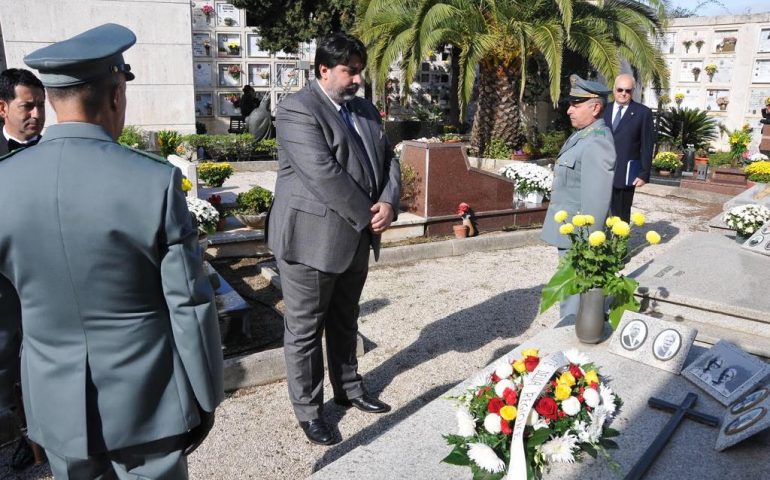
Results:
<point x="746" y="219"/>
<point x="570" y="417"/>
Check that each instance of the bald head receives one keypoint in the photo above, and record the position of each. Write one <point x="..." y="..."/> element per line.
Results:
<point x="624" y="86"/>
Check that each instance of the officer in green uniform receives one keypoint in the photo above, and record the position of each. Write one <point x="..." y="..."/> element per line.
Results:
<point x="121" y="360"/>
<point x="585" y="168"/>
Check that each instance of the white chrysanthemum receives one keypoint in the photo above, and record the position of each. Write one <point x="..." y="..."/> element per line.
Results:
<point x="466" y="424"/>
<point x="492" y="423"/>
<point x="502" y="385"/>
<point x="504" y="370"/>
<point x="591" y="397"/>
<point x="571" y="406"/>
<point x="575" y="356"/>
<point x="559" y="449"/>
<point x="479" y="381"/>
<point x="608" y="399"/>
<point x="486" y="458"/>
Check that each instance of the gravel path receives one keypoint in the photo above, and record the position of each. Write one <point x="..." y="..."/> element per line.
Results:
<point x="428" y="326"/>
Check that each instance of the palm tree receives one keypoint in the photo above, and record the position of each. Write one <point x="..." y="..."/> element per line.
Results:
<point x="687" y="126"/>
<point x="497" y="37"/>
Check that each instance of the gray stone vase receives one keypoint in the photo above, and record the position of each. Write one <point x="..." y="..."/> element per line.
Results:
<point x="589" y="322"/>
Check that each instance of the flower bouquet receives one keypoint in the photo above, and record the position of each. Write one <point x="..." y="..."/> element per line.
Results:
<point x="746" y="219"/>
<point x="666" y="161"/>
<point x="739" y="143"/>
<point x="234" y="71"/>
<point x="207" y="10"/>
<point x="569" y="417"/>
<point x="205" y="215"/>
<point x="594" y="260"/>
<point x="529" y="178"/>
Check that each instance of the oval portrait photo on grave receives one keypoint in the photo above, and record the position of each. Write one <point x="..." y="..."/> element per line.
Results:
<point x="765" y="229"/>
<point x="745" y="420"/>
<point x="749" y="401"/>
<point x="633" y="335"/>
<point x="666" y="344"/>
<point x="755" y="240"/>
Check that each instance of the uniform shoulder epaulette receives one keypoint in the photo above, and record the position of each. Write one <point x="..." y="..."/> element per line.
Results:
<point x="11" y="153"/>
<point x="600" y="132"/>
<point x="152" y="156"/>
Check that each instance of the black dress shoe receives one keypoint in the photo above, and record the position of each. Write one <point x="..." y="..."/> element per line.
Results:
<point x="317" y="431"/>
<point x="365" y="403"/>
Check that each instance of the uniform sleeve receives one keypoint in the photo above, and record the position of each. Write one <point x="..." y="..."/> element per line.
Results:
<point x="190" y="300"/>
<point x="597" y="172"/>
<point x="648" y="143"/>
<point x="10" y="323"/>
<point x="306" y="149"/>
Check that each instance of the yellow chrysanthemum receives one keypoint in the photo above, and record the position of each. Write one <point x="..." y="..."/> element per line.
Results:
<point x="562" y="392"/>
<point x="567" y="378"/>
<point x="637" y="219"/>
<point x="653" y="237"/>
<point x="579" y="220"/>
<point x="566" y="229"/>
<point x="591" y="377"/>
<point x="508" y="412"/>
<point x="186" y="184"/>
<point x="590" y="220"/>
<point x="611" y="221"/>
<point x="529" y="352"/>
<point x="621" y="229"/>
<point x="560" y="216"/>
<point x="597" y="238"/>
<point x="519" y="366"/>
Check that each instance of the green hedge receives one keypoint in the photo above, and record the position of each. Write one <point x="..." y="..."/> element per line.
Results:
<point x="234" y="148"/>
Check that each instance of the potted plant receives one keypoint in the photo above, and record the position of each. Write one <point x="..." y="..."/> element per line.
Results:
<point x="531" y="182"/>
<point x="666" y="162"/>
<point x="711" y="69"/>
<point x="695" y="73"/>
<point x="699" y="44"/>
<point x="214" y="174"/>
<point x="204" y="214"/>
<point x="739" y="143"/>
<point x="663" y="100"/>
<point x="678" y="98"/>
<point x="728" y="44"/>
<point x="591" y="268"/>
<point x="234" y="47"/>
<point x="235" y="72"/>
<point x="746" y="219"/>
<point x="682" y="126"/>
<point x="758" y="170"/>
<point x="687" y="44"/>
<point x="722" y="103"/>
<point x="252" y="207"/>
<point x="167" y="141"/>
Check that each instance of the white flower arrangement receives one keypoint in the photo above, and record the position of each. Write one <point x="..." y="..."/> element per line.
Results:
<point x="205" y="214"/>
<point x="746" y="219"/>
<point x="529" y="177"/>
<point x="757" y="157"/>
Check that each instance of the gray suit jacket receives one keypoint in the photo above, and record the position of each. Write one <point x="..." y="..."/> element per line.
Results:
<point x="582" y="180"/>
<point x="323" y="193"/>
<point x="121" y="341"/>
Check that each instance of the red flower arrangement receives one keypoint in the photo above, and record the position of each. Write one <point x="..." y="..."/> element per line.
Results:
<point x="207" y="10"/>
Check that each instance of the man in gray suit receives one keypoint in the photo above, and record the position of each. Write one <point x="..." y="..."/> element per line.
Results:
<point x="122" y="362"/>
<point x="584" y="171"/>
<point x="337" y="190"/>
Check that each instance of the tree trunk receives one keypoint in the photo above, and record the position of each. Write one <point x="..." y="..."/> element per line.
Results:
<point x="497" y="113"/>
<point x="454" y="101"/>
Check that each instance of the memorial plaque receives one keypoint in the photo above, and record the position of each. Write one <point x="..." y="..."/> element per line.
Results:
<point x="202" y="76"/>
<point x="228" y="15"/>
<point x="226" y="106"/>
<point x="757" y="98"/>
<point x="229" y="44"/>
<point x="726" y="372"/>
<point x="230" y="75"/>
<point x="201" y="44"/>
<point x="199" y="19"/>
<point x="667" y="42"/>
<point x="764" y="40"/>
<point x="685" y="70"/>
<point x="259" y="74"/>
<point x="652" y="341"/>
<point x="724" y="73"/>
<point x="761" y="71"/>
<point x="711" y="98"/>
<point x="286" y="75"/>
<point x="253" y="46"/>
<point x="745" y="417"/>
<point x="204" y="104"/>
<point x="692" y="97"/>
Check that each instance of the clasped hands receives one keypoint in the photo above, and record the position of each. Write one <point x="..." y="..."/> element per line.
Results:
<point x="382" y="217"/>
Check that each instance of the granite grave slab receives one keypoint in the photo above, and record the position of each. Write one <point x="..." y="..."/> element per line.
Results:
<point x="759" y="242"/>
<point x="745" y="418"/>
<point x="413" y="447"/>
<point x="759" y="194"/>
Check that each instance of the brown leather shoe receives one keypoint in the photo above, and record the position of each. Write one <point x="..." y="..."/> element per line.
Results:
<point x="365" y="403"/>
<point x="317" y="432"/>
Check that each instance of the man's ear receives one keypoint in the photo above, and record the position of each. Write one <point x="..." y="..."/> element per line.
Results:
<point x="3" y="109"/>
<point x="115" y="97"/>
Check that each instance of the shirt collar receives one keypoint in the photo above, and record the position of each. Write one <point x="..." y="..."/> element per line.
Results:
<point x="8" y="136"/>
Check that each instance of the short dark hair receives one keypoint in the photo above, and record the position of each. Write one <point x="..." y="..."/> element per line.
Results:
<point x="92" y="94"/>
<point x="12" y="77"/>
<point x="336" y="49"/>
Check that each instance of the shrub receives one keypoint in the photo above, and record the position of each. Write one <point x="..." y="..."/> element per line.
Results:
<point x="684" y="126"/>
<point x="268" y="146"/>
<point x="666" y="161"/>
<point x="759" y="172"/>
<point x="167" y="141"/>
<point x="409" y="184"/>
<point x="214" y="173"/>
<point x="232" y="147"/>
<point x="497" y="148"/>
<point x="133" y="137"/>
<point x="551" y="142"/>
<point x="256" y="200"/>
<point x="720" y="158"/>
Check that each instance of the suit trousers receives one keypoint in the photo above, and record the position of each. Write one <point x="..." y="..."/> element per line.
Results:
<point x="159" y="460"/>
<point x="620" y="205"/>
<point x="315" y="302"/>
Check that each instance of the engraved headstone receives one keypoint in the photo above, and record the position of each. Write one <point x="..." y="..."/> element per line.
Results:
<point x="745" y="417"/>
<point x="759" y="242"/>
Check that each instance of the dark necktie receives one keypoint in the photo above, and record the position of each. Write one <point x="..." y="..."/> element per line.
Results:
<point x="618" y="116"/>
<point x="13" y="144"/>
<point x="348" y="119"/>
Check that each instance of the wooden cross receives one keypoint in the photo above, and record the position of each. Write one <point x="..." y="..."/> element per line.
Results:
<point x="680" y="412"/>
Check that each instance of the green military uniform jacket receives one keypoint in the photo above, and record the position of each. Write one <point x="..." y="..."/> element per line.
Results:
<point x="582" y="180"/>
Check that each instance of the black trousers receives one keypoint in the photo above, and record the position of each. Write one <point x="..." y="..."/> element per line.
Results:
<point x="620" y="205"/>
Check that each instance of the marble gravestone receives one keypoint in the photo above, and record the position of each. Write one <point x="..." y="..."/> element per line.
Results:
<point x="759" y="242"/>
<point x="410" y="444"/>
<point x="758" y="194"/>
<point x="745" y="417"/>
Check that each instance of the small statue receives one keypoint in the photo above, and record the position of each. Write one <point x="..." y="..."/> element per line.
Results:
<point x="259" y="122"/>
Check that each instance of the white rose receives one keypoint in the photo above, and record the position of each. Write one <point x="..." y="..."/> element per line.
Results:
<point x="504" y="370"/>
<point x="502" y="385"/>
<point x="533" y="417"/>
<point x="571" y="406"/>
<point x="591" y="397"/>
<point x="492" y="423"/>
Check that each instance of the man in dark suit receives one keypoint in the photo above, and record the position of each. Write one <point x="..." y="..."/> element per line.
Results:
<point x="633" y="131"/>
<point x="22" y="108"/>
<point x="121" y="359"/>
<point x="337" y="190"/>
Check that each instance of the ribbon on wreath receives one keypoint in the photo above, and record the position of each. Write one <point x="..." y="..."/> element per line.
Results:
<point x="533" y="385"/>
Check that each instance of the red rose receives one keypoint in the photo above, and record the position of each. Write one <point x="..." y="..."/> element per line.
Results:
<point x="494" y="405"/>
<point x="510" y="396"/>
<point x="595" y="386"/>
<point x="547" y="407"/>
<point x="505" y="426"/>
<point x="531" y="363"/>
<point x="575" y="371"/>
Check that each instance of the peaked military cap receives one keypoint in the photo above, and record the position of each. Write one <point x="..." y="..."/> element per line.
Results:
<point x="86" y="57"/>
<point x="583" y="90"/>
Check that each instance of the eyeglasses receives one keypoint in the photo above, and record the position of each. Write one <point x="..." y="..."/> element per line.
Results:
<point x="627" y="90"/>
